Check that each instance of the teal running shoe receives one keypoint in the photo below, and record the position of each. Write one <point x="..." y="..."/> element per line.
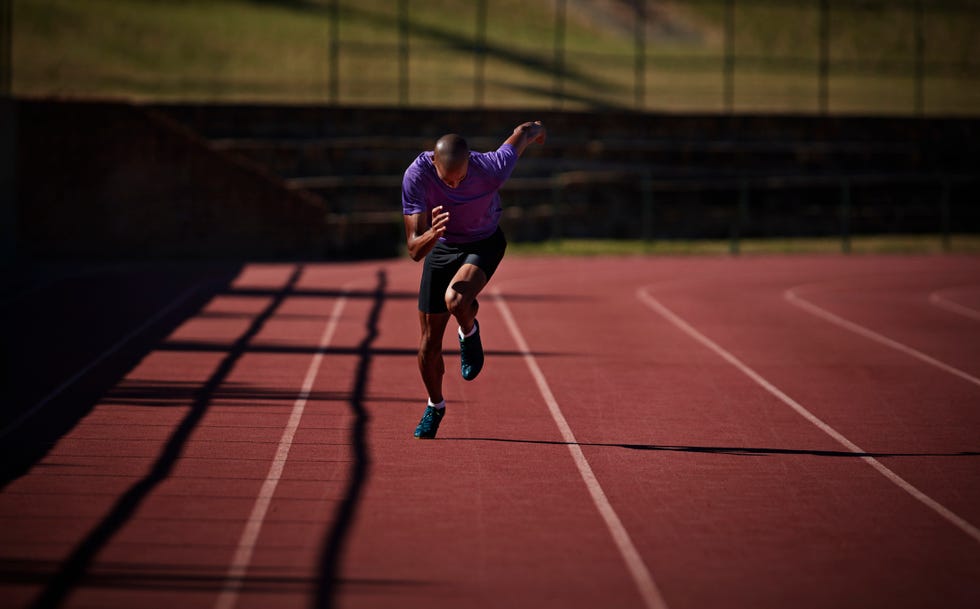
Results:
<point x="471" y="355"/>
<point x="429" y="424"/>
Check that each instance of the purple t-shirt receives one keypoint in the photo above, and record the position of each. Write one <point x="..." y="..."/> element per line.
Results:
<point x="473" y="206"/>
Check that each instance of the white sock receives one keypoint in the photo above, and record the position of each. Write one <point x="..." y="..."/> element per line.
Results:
<point x="438" y="406"/>
<point x="470" y="333"/>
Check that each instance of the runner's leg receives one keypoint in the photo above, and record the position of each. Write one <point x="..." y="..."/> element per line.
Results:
<point x="431" y="364"/>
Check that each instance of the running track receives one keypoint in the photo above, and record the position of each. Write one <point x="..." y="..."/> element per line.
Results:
<point x="648" y="432"/>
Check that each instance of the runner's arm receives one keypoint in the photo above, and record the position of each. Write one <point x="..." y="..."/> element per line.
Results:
<point x="421" y="235"/>
<point x="525" y="134"/>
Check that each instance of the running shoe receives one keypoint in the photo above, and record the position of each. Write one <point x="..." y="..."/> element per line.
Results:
<point x="471" y="354"/>
<point x="429" y="424"/>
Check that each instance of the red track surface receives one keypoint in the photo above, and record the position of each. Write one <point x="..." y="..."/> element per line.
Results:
<point x="132" y="486"/>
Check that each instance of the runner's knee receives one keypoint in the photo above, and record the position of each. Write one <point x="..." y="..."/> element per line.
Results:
<point x="455" y="300"/>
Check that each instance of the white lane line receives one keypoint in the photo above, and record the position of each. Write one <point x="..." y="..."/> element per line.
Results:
<point x="809" y="307"/>
<point x="116" y="347"/>
<point x="634" y="562"/>
<point x="235" y="577"/>
<point x="944" y="303"/>
<point x="894" y="478"/>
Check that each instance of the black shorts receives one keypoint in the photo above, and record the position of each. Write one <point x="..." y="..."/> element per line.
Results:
<point x="445" y="260"/>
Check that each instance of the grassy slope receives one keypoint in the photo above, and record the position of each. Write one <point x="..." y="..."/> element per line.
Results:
<point x="277" y="50"/>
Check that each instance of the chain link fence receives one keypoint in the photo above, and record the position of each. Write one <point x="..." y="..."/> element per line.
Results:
<point x="909" y="57"/>
<point x="813" y="56"/>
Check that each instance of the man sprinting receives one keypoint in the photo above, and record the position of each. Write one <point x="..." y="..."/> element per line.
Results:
<point x="452" y="213"/>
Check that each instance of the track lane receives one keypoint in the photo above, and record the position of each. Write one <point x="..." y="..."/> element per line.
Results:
<point x="472" y="519"/>
<point x="730" y="500"/>
<point x="216" y="469"/>
<point x="800" y="472"/>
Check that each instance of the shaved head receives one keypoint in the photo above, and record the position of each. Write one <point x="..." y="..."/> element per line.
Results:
<point x="452" y="152"/>
<point x="451" y="159"/>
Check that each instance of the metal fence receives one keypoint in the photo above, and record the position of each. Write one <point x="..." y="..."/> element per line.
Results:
<point x="923" y="60"/>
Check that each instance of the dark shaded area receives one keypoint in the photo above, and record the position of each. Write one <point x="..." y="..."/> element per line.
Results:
<point x="332" y="553"/>
<point x="654" y="175"/>
<point x="111" y="181"/>
<point x="63" y="321"/>
<point x="118" y="181"/>
<point x="8" y="178"/>
<point x="74" y="568"/>
<point x="721" y="450"/>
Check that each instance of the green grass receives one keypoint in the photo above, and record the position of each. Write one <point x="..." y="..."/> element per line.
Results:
<point x="870" y="244"/>
<point x="277" y="50"/>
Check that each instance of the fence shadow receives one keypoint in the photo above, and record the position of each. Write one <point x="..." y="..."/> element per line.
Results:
<point x="75" y="566"/>
<point x="332" y="551"/>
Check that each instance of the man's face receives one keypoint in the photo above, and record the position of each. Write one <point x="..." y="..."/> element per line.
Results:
<point x="451" y="177"/>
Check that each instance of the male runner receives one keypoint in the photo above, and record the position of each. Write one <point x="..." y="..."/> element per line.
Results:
<point x="452" y="209"/>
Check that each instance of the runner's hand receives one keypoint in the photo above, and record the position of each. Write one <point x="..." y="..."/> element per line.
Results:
<point x="440" y="220"/>
<point x="537" y="129"/>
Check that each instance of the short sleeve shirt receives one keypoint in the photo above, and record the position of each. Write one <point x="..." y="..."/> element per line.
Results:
<point x="473" y="206"/>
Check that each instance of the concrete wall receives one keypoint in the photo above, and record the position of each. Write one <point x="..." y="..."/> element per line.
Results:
<point x="113" y="180"/>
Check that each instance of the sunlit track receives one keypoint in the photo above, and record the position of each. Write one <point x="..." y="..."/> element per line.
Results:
<point x="703" y="442"/>
<point x="234" y="579"/>
<point x="793" y="297"/>
<point x="652" y="596"/>
<point x="958" y="521"/>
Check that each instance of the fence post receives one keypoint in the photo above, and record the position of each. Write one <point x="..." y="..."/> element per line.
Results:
<point x="845" y="215"/>
<point x="403" y="32"/>
<point x="559" y="74"/>
<point x="640" y="35"/>
<point x="920" y="66"/>
<point x="729" y="76"/>
<point x="334" y="53"/>
<point x="823" y="75"/>
<point x="480" y="53"/>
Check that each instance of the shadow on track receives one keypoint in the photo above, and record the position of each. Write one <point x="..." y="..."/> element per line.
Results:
<point x="743" y="451"/>
<point x="74" y="568"/>
<point x="332" y="552"/>
<point x="185" y="577"/>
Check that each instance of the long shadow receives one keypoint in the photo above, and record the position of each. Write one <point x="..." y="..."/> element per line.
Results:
<point x="172" y="393"/>
<point x="745" y="451"/>
<point x="74" y="568"/>
<point x="202" y="346"/>
<point x="332" y="552"/>
<point x="543" y="66"/>
<point x="467" y="44"/>
<point x="185" y="577"/>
